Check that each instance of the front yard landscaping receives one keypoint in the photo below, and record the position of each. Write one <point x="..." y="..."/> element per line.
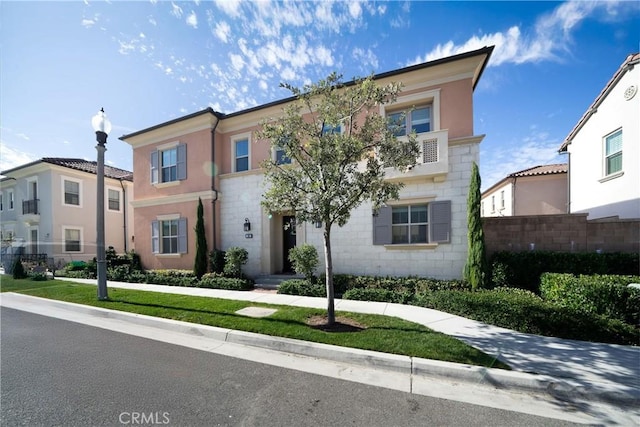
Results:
<point x="377" y="333"/>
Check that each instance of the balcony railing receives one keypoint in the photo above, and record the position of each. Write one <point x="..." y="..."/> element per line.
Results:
<point x="433" y="160"/>
<point x="30" y="207"/>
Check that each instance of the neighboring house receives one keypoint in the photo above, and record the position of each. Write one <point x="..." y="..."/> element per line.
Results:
<point x="216" y="157"/>
<point x="48" y="208"/>
<point x="540" y="190"/>
<point x="604" y="150"/>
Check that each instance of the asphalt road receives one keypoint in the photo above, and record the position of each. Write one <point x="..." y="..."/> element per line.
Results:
<point x="55" y="372"/>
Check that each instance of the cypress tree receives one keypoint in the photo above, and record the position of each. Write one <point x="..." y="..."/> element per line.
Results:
<point x="475" y="270"/>
<point x="201" y="261"/>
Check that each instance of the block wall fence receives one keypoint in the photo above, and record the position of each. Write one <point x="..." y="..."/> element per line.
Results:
<point x="561" y="233"/>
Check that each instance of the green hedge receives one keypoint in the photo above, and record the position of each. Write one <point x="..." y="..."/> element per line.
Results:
<point x="607" y="295"/>
<point x="171" y="277"/>
<point x="215" y="281"/>
<point x="302" y="287"/>
<point x="523" y="269"/>
<point x="381" y="295"/>
<point x="524" y="311"/>
<point x="345" y="282"/>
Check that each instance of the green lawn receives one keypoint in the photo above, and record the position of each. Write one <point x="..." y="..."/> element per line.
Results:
<point x="382" y="333"/>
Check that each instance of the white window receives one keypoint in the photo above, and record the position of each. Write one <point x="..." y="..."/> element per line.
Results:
<point x="413" y="224"/>
<point x="613" y="153"/>
<point x="71" y="190"/>
<point x="241" y="154"/>
<point x="418" y="119"/>
<point x="10" y="200"/>
<point x="169" y="236"/>
<point x="113" y="199"/>
<point x="482" y="209"/>
<point x="169" y="163"/>
<point x="493" y="203"/>
<point x="502" y="199"/>
<point x="72" y="239"/>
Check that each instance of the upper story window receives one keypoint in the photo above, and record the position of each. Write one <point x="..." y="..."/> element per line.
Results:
<point x="328" y="129"/>
<point x="502" y="199"/>
<point x="169" y="163"/>
<point x="241" y="154"/>
<point x="10" y="199"/>
<point x="493" y="203"/>
<point x="114" y="199"/>
<point x="281" y="157"/>
<point x="1" y="201"/>
<point x="613" y="153"/>
<point x="403" y="122"/>
<point x="71" y="189"/>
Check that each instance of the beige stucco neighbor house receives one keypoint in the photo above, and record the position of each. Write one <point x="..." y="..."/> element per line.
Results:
<point x="540" y="190"/>
<point x="216" y="157"/>
<point x="48" y="207"/>
<point x="604" y="149"/>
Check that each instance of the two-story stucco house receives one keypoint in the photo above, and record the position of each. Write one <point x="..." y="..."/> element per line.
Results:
<point x="604" y="149"/>
<point x="540" y="190"/>
<point x="216" y="157"/>
<point x="48" y="208"/>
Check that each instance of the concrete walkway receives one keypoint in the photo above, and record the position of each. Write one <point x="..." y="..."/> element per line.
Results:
<point x="614" y="369"/>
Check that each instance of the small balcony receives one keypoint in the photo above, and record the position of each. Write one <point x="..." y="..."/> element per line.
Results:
<point x="31" y="211"/>
<point x="432" y="162"/>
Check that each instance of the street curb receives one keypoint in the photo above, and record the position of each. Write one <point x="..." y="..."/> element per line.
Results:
<point x="563" y="389"/>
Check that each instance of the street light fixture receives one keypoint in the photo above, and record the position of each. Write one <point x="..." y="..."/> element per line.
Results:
<point x="102" y="127"/>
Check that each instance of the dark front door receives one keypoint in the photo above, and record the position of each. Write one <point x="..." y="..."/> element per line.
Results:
<point x="288" y="241"/>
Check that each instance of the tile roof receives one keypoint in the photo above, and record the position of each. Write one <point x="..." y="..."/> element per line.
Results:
<point x="89" y="167"/>
<point x="542" y="170"/>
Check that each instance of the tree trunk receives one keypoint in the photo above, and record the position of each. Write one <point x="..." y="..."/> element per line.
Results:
<point x="328" y="269"/>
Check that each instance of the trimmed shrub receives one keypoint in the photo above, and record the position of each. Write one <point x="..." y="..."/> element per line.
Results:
<point x="528" y="313"/>
<point x="18" y="270"/>
<point x="171" y="277"/>
<point x="607" y="295"/>
<point x="214" y="281"/>
<point x="216" y="261"/>
<point x="380" y="295"/>
<point x="305" y="260"/>
<point x="38" y="277"/>
<point x="523" y="269"/>
<point x="302" y="287"/>
<point x="235" y="258"/>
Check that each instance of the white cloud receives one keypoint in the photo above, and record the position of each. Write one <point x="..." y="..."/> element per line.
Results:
<point x="230" y="7"/>
<point x="367" y="59"/>
<point x="222" y="31"/>
<point x="192" y="20"/>
<point x="263" y="85"/>
<point x="22" y="136"/>
<point x="236" y="62"/>
<point x="176" y="10"/>
<point x="152" y="21"/>
<point x="88" y="23"/>
<point x="11" y="157"/>
<point x="355" y="10"/>
<point x="549" y="38"/>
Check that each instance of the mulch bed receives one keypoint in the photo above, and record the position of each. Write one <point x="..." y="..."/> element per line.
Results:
<point x="342" y="324"/>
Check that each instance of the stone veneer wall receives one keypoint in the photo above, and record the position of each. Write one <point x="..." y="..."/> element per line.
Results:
<point x="561" y="233"/>
<point x="352" y="245"/>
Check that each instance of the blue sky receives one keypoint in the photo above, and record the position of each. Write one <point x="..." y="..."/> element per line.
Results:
<point x="149" y="62"/>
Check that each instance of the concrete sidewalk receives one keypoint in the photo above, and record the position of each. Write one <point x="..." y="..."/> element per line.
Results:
<point x="606" y="372"/>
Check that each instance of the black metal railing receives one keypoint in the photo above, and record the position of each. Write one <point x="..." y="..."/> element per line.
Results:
<point x="30" y="207"/>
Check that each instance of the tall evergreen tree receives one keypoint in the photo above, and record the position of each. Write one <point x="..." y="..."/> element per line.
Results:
<point x="201" y="261"/>
<point x="475" y="270"/>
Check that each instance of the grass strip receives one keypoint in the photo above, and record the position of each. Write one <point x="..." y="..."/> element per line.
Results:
<point x="383" y="333"/>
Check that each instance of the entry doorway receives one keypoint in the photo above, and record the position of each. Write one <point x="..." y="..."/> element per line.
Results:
<point x="288" y="241"/>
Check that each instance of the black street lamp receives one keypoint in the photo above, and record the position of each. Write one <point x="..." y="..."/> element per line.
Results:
<point x="102" y="126"/>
